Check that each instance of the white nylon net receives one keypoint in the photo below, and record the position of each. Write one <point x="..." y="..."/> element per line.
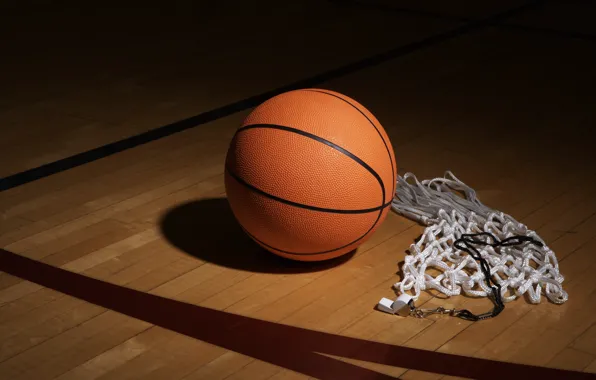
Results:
<point x="521" y="269"/>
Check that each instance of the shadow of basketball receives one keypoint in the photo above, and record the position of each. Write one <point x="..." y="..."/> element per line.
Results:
<point x="207" y="229"/>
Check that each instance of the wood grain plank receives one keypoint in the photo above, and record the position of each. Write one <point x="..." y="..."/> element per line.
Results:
<point x="586" y="342"/>
<point x="571" y="359"/>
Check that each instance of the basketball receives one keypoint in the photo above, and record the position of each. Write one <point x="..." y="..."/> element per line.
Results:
<point x="310" y="174"/>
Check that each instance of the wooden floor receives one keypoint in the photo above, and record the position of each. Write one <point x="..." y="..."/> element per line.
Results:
<point x="507" y="105"/>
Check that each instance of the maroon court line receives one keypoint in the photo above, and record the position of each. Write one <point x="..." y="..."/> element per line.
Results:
<point x="286" y="346"/>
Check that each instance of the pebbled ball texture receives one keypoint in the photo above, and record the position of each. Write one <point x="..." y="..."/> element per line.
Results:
<point x="310" y="174"/>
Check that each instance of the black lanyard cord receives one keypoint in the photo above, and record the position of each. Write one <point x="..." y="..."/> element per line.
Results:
<point x="467" y="244"/>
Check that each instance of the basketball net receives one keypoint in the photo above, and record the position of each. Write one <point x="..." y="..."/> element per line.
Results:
<point x="517" y="261"/>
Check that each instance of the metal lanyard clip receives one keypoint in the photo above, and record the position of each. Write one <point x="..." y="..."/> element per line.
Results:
<point x="404" y="306"/>
<point x="421" y="313"/>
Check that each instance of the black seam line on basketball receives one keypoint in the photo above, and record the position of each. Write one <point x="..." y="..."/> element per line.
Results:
<point x="321" y="252"/>
<point x="371" y="123"/>
<point x="305" y="253"/>
<point x="375" y="127"/>
<point x="323" y="141"/>
<point x="55" y="167"/>
<point x="302" y="205"/>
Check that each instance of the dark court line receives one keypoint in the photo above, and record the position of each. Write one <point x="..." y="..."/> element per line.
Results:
<point x="290" y="347"/>
<point x="553" y="32"/>
<point x="382" y="7"/>
<point x="83" y="158"/>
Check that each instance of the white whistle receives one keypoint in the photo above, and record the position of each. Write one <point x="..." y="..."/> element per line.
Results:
<point x="401" y="306"/>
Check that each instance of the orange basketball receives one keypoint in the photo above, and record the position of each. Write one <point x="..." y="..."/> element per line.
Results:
<point x="310" y="174"/>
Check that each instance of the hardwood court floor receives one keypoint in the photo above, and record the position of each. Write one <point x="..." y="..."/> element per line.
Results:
<point x="508" y="106"/>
